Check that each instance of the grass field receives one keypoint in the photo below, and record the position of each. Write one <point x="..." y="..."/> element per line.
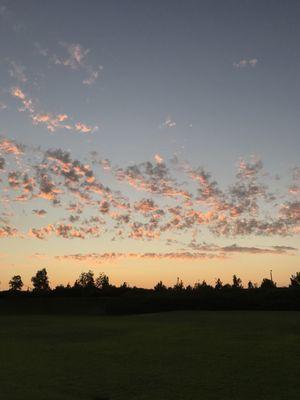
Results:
<point x="178" y="355"/>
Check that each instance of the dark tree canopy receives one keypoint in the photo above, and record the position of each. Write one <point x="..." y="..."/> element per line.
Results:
<point x="16" y="283"/>
<point x="268" y="284"/>
<point x="295" y="280"/>
<point x="179" y="285"/>
<point x="236" y="282"/>
<point x="160" y="287"/>
<point x="40" y="281"/>
<point x="201" y="285"/>
<point x="102" y="281"/>
<point x="250" y="285"/>
<point x="219" y="284"/>
<point x="86" y="280"/>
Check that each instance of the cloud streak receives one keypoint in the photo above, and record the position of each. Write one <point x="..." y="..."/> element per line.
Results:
<point x="52" y="122"/>
<point x="246" y="63"/>
<point x="205" y="252"/>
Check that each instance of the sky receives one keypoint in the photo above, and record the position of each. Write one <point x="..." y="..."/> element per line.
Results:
<point x="150" y="140"/>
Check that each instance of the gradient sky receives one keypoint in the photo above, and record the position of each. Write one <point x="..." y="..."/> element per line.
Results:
<point x="150" y="140"/>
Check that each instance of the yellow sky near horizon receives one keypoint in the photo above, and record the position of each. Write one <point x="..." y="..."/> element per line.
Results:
<point x="146" y="273"/>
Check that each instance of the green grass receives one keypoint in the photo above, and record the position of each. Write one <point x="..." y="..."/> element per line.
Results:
<point x="178" y="355"/>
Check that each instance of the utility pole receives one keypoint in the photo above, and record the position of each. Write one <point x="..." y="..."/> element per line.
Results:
<point x="271" y="275"/>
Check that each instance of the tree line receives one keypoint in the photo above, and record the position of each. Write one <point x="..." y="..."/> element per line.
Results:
<point x="95" y="295"/>
<point x="87" y="282"/>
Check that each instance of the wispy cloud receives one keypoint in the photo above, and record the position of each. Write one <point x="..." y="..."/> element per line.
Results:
<point x="51" y="121"/>
<point x="246" y="63"/>
<point x="104" y="257"/>
<point x="205" y="252"/>
<point x="168" y="122"/>
<point x="259" y="250"/>
<point x="93" y="76"/>
<point x="3" y="10"/>
<point x="75" y="58"/>
<point x="17" y="72"/>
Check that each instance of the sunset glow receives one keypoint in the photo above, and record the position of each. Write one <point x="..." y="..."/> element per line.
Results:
<point x="148" y="154"/>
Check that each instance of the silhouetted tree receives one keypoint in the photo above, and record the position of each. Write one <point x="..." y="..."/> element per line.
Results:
<point x="102" y="281"/>
<point x="250" y="285"/>
<point x="160" y="287"/>
<point x="85" y="280"/>
<point x="295" y="280"/>
<point x="201" y="285"/>
<point x="178" y="285"/>
<point x="40" y="281"/>
<point x="236" y="282"/>
<point x="124" y="286"/>
<point x="219" y="284"/>
<point x="267" y="284"/>
<point x="16" y="283"/>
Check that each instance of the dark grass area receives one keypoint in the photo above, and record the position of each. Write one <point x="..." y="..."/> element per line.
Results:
<point x="178" y="355"/>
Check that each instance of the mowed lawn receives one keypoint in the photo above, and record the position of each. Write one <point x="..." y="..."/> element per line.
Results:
<point x="176" y="355"/>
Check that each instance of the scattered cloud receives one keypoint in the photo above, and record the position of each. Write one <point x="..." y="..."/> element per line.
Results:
<point x="93" y="76"/>
<point x="10" y="147"/>
<point x="163" y="199"/>
<point x="169" y="122"/>
<point x="80" y="127"/>
<point x="7" y="231"/>
<point x="75" y="58"/>
<point x="158" y="159"/>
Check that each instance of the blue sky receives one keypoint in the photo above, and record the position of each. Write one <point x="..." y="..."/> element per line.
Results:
<point x="211" y="83"/>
